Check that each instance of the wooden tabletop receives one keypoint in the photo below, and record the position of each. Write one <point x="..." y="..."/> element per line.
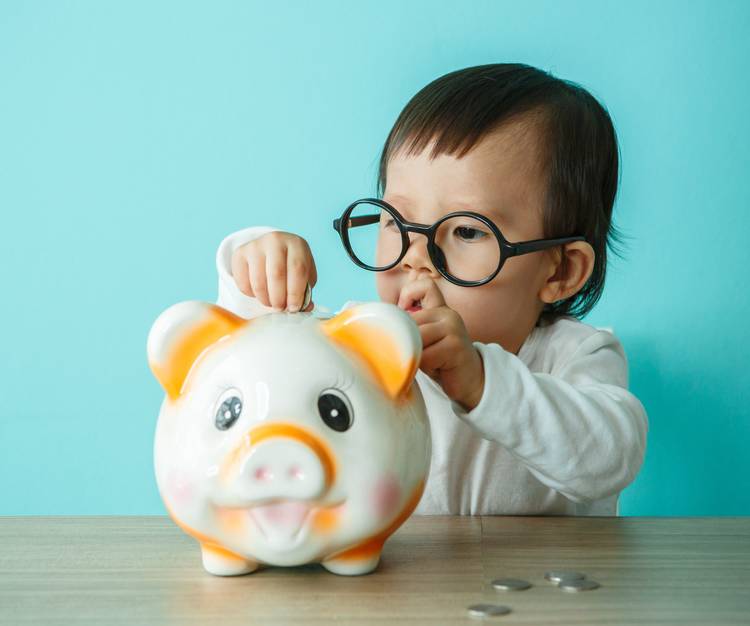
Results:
<point x="144" y="570"/>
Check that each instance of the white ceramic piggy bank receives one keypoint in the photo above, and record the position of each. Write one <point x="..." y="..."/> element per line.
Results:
<point x="286" y="439"/>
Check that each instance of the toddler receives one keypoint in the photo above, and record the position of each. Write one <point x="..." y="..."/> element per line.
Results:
<point x="491" y="226"/>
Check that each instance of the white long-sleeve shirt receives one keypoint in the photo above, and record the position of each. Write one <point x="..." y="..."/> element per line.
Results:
<point x="556" y="431"/>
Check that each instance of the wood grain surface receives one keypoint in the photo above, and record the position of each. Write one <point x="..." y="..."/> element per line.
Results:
<point x="144" y="570"/>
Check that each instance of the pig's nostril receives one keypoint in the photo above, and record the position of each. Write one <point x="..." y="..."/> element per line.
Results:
<point x="263" y="473"/>
<point x="295" y="472"/>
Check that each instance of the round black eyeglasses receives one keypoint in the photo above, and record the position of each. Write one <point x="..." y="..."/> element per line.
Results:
<point x="451" y="243"/>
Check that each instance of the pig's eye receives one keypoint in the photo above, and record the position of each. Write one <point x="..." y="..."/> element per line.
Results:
<point x="335" y="409"/>
<point x="228" y="412"/>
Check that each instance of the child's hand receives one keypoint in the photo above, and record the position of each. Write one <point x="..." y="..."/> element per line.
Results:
<point x="448" y="355"/>
<point x="276" y="269"/>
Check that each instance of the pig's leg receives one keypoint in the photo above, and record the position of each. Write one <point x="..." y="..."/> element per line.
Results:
<point x="223" y="563"/>
<point x="354" y="562"/>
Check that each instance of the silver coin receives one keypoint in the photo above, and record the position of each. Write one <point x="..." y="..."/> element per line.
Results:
<point x="510" y="584"/>
<point x="307" y="298"/>
<point x="488" y="610"/>
<point x="555" y="576"/>
<point x="578" y="585"/>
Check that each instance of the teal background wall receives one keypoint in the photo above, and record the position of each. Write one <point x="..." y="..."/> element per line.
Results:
<point x="135" y="135"/>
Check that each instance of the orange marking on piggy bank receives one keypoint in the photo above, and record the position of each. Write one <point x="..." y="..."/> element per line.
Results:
<point x="373" y="545"/>
<point x="205" y="540"/>
<point x="379" y="350"/>
<point x="276" y="429"/>
<point x="327" y="520"/>
<point x="188" y="346"/>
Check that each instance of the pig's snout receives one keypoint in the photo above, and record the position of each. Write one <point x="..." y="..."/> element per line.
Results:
<point x="281" y="467"/>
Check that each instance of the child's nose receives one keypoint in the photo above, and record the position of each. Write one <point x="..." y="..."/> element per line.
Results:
<point x="417" y="258"/>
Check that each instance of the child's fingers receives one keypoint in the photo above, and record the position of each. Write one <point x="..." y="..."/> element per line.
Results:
<point x="241" y="274"/>
<point x="299" y="249"/>
<point x="433" y="359"/>
<point x="313" y="273"/>
<point x="431" y="333"/>
<point x="423" y="292"/>
<point x="276" y="272"/>
<point x="275" y="269"/>
<point x="297" y="278"/>
<point x="408" y="296"/>
<point x="257" y="268"/>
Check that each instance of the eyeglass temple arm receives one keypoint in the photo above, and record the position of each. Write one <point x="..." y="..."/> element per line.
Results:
<point x="362" y="220"/>
<point x="534" y="245"/>
<point x="515" y="249"/>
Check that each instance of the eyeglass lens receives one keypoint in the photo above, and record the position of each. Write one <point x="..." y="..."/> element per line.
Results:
<point x="471" y="251"/>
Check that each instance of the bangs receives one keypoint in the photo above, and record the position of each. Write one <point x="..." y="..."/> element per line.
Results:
<point x="458" y="110"/>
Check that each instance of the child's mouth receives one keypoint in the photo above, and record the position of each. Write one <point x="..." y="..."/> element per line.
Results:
<point x="415" y="306"/>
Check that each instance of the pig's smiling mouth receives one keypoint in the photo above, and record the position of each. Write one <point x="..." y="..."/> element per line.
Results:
<point x="281" y="522"/>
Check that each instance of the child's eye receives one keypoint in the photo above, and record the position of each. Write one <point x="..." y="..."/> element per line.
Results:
<point x="467" y="233"/>
<point x="390" y="223"/>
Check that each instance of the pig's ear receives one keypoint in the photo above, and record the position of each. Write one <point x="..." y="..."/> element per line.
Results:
<point x="385" y="337"/>
<point x="181" y="334"/>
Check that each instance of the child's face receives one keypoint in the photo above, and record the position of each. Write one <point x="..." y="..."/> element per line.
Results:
<point x="499" y="178"/>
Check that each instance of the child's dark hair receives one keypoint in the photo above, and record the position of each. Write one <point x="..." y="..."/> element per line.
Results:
<point x="579" y="143"/>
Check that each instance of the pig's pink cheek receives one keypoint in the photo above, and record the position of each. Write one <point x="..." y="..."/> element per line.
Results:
<point x="179" y="488"/>
<point x="386" y="496"/>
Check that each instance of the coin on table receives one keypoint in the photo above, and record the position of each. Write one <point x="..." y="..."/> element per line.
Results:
<point x="555" y="576"/>
<point x="578" y="585"/>
<point x="488" y="610"/>
<point x="510" y="584"/>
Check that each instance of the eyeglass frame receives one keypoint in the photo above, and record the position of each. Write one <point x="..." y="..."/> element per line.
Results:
<point x="507" y="249"/>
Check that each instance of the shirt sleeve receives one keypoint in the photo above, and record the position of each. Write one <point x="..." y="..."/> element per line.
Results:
<point x="579" y="431"/>
<point x="229" y="296"/>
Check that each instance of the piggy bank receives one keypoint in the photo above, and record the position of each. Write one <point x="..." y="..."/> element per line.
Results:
<point x="289" y="439"/>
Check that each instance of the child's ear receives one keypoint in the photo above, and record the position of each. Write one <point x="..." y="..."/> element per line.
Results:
<point x="566" y="279"/>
